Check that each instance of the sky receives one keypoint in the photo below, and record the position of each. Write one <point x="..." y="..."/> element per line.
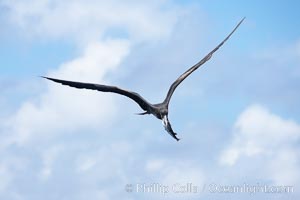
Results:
<point x="237" y="116"/>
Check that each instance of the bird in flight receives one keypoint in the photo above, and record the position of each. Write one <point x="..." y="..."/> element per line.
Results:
<point x="159" y="110"/>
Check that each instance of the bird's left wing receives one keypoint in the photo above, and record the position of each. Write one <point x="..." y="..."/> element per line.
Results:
<point x="197" y="65"/>
<point x="105" y="88"/>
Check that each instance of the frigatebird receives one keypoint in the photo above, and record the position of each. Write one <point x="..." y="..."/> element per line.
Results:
<point x="159" y="110"/>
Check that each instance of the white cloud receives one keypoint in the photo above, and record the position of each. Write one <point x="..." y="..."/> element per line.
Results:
<point x="284" y="167"/>
<point x="90" y="20"/>
<point x="182" y="179"/>
<point x="62" y="109"/>
<point x="259" y="133"/>
<point x="92" y="161"/>
<point x="183" y="174"/>
<point x="11" y="166"/>
<point x="102" y="171"/>
<point x="44" y="120"/>
<point x="6" y="178"/>
<point x="103" y="32"/>
<point x="154" y="165"/>
<point x="48" y="157"/>
<point x="172" y="172"/>
<point x="86" y="22"/>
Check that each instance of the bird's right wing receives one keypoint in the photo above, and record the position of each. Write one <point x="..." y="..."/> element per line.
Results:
<point x="105" y="88"/>
<point x="197" y="65"/>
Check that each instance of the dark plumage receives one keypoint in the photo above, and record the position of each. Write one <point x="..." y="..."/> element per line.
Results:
<point x="158" y="110"/>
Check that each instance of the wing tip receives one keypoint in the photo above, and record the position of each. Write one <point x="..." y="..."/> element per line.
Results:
<point x="44" y="77"/>
<point x="48" y="78"/>
<point x="242" y="20"/>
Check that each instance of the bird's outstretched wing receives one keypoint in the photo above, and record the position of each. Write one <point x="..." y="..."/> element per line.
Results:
<point x="105" y="88"/>
<point x="196" y="66"/>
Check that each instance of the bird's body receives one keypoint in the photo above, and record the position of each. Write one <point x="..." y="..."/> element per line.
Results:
<point x="159" y="110"/>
